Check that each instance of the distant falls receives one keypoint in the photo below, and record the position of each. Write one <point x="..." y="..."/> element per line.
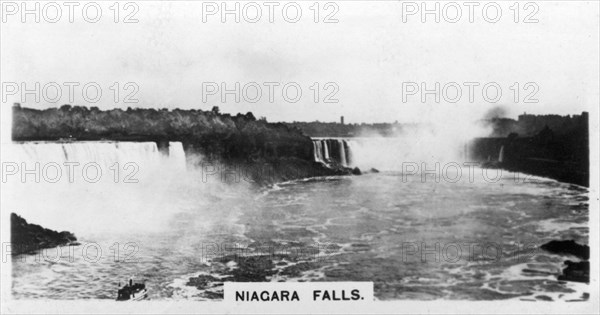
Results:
<point x="332" y="151"/>
<point x="388" y="153"/>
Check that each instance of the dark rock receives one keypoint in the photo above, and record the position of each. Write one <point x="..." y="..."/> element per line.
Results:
<point x="543" y="298"/>
<point x="26" y="237"/>
<point x="576" y="271"/>
<point x="203" y="281"/>
<point x="251" y="268"/>
<point x="568" y="247"/>
<point x="214" y="295"/>
<point x="356" y="171"/>
<point x="297" y="269"/>
<point x="374" y="170"/>
<point x="585" y="296"/>
<point x="264" y="172"/>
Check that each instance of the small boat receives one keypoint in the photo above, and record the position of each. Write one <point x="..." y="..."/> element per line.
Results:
<point x="132" y="292"/>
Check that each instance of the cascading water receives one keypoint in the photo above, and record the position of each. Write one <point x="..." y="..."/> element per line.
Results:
<point x="387" y="153"/>
<point x="331" y="151"/>
<point x="177" y="154"/>
<point x="342" y="146"/>
<point x="318" y="152"/>
<point x="93" y="186"/>
<point x="100" y="152"/>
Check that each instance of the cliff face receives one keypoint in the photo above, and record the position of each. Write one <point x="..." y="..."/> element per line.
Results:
<point x="27" y="237"/>
<point x="209" y="132"/>
<point x="561" y="154"/>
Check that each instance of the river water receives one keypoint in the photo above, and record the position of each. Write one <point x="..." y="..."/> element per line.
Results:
<point x="184" y="235"/>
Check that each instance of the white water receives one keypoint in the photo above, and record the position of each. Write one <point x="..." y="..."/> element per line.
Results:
<point x="318" y="151"/>
<point x="177" y="155"/>
<point x="324" y="151"/>
<point x="442" y="139"/>
<point x="105" y="153"/>
<point x="91" y="187"/>
<point x="389" y="153"/>
<point x="171" y="214"/>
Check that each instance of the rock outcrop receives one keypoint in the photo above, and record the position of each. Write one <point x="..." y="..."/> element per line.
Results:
<point x="568" y="247"/>
<point x="575" y="271"/>
<point x="27" y="237"/>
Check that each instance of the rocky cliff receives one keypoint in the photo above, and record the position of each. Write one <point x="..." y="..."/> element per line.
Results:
<point x="560" y="152"/>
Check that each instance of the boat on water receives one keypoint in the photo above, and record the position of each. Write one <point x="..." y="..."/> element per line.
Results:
<point x="132" y="292"/>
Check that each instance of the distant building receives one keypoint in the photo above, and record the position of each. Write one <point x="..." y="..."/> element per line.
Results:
<point x="342" y="120"/>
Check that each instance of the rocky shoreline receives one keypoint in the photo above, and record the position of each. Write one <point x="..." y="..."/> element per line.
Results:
<point x="28" y="238"/>
<point x="576" y="271"/>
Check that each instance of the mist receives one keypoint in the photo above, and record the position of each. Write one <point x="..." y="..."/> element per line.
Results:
<point x="441" y="137"/>
<point x="147" y="192"/>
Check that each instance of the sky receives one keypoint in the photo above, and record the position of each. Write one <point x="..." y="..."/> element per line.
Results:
<point x="365" y="61"/>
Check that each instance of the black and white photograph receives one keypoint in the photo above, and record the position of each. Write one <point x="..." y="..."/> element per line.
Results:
<point x="289" y="157"/>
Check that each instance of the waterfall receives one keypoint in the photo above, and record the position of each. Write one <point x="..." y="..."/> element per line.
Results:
<point x="318" y="148"/>
<point x="177" y="154"/>
<point x="105" y="153"/>
<point x="389" y="153"/>
<point x="132" y="186"/>
<point x="342" y="152"/>
<point x="329" y="151"/>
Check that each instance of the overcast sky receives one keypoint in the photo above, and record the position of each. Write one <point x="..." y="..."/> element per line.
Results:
<point x="367" y="54"/>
